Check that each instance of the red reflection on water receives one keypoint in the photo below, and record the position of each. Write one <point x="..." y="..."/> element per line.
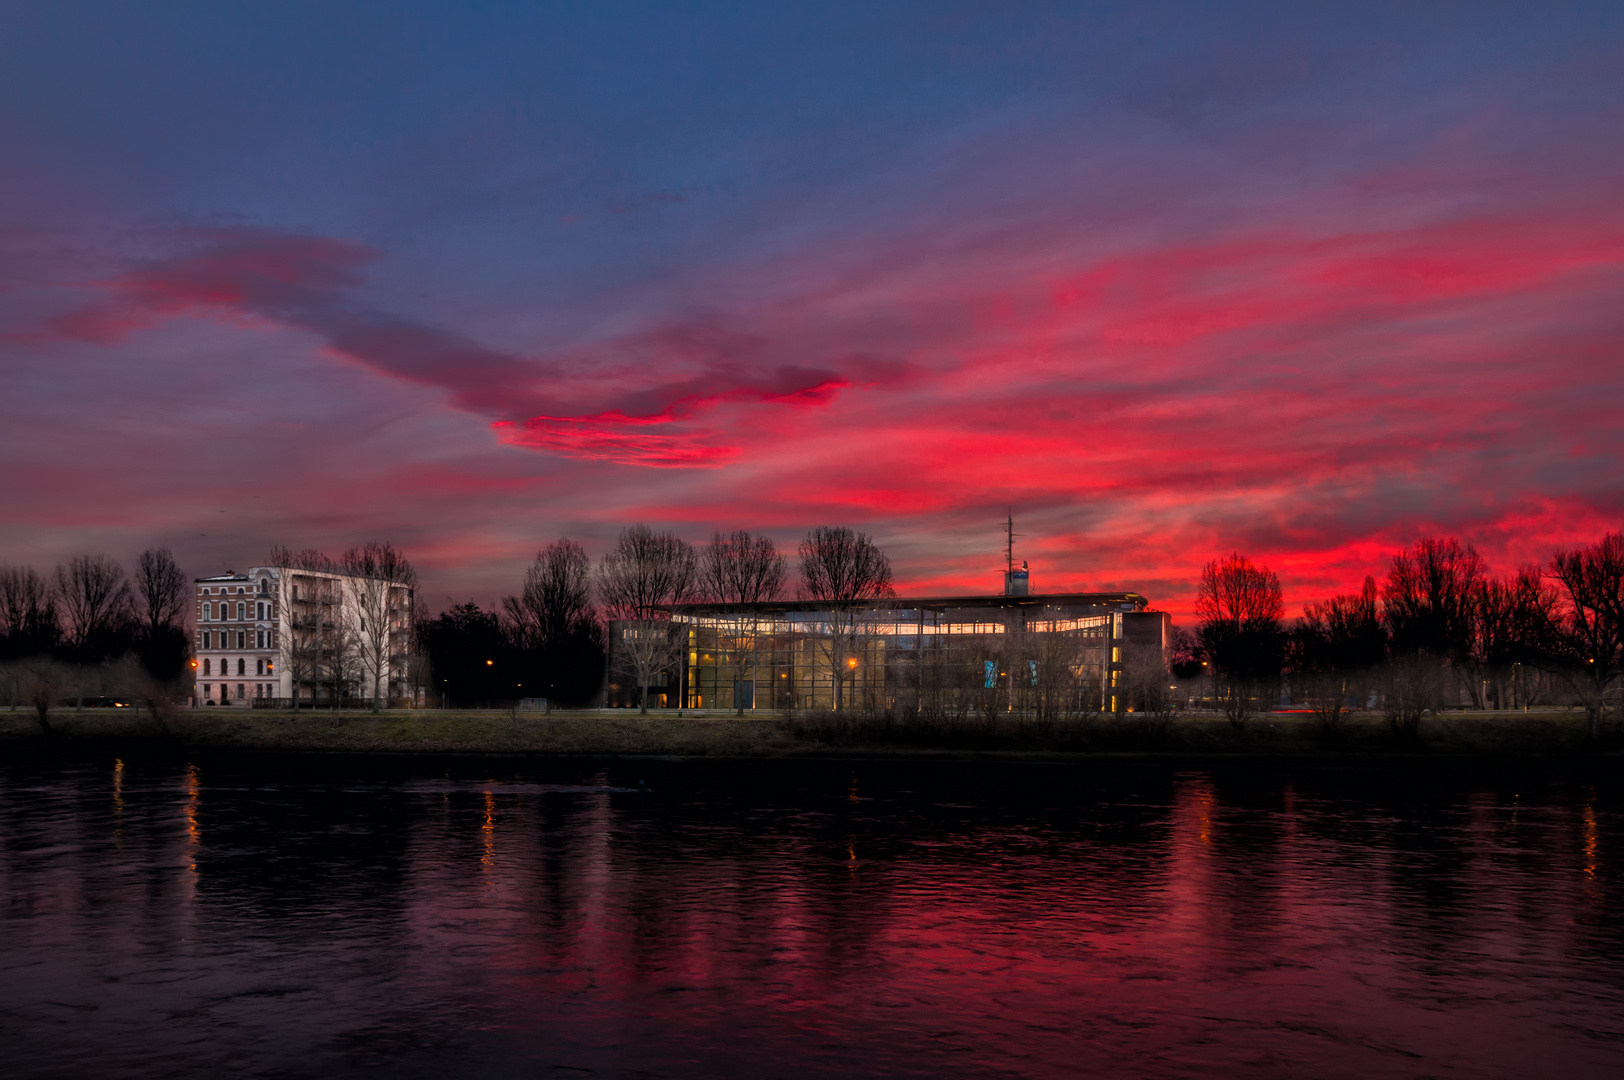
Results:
<point x="1160" y="925"/>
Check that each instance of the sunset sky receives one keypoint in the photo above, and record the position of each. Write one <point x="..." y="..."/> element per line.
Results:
<point x="1166" y="282"/>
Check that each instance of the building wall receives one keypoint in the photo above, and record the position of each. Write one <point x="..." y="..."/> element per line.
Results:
<point x="248" y="648"/>
<point x="236" y="639"/>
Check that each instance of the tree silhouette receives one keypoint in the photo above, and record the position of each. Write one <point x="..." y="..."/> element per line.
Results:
<point x="1240" y="611"/>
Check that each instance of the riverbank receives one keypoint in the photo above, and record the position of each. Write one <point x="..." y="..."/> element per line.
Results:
<point x="1547" y="734"/>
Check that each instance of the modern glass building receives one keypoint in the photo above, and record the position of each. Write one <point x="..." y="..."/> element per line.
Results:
<point x="1045" y="654"/>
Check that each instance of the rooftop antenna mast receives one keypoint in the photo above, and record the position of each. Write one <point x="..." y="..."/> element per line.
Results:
<point x="1009" y="544"/>
<point x="1016" y="582"/>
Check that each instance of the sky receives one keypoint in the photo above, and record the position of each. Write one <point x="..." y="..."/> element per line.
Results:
<point x="1163" y="281"/>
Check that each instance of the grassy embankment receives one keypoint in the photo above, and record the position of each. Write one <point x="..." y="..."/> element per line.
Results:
<point x="1552" y="733"/>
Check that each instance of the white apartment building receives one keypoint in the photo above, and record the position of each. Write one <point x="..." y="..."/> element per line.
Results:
<point x="278" y="632"/>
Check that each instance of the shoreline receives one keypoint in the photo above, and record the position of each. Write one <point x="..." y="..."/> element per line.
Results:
<point x="1188" y="738"/>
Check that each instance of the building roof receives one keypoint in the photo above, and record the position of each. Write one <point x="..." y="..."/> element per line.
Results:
<point x="1121" y="601"/>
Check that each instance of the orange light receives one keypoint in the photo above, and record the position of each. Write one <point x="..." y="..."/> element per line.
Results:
<point x="488" y="663"/>
<point x="194" y="665"/>
<point x="851" y="663"/>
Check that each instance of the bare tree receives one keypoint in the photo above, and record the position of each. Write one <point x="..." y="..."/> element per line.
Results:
<point x="28" y="614"/>
<point x="344" y="659"/>
<point x="638" y="580"/>
<point x="1057" y="660"/>
<point x="162" y="590"/>
<point x="1338" y="644"/>
<point x="95" y="600"/>
<point x="28" y="624"/>
<point x="307" y="601"/>
<point x="845" y="570"/>
<point x="303" y="649"/>
<point x="94" y="597"/>
<point x="1427" y="601"/>
<point x="1146" y="676"/>
<point x="314" y="610"/>
<point x="551" y="623"/>
<point x="1240" y="609"/>
<point x="742" y="570"/>
<point x="303" y="559"/>
<point x="1590" y="628"/>
<point x="1513" y="619"/>
<point x="383" y="586"/>
<point x="1411" y="686"/>
<point x="163" y="598"/>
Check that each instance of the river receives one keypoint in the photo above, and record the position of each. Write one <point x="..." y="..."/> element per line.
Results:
<point x="305" y="916"/>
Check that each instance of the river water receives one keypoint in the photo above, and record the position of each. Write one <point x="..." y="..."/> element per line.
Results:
<point x="317" y="916"/>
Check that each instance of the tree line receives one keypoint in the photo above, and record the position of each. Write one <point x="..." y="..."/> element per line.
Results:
<point x="550" y="639"/>
<point x="1437" y="632"/>
<point x="90" y="630"/>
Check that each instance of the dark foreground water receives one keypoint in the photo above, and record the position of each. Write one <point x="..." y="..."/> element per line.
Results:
<point x="310" y="916"/>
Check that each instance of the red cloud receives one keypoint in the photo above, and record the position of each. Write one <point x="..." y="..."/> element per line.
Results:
<point x="619" y="439"/>
<point x="309" y="283"/>
<point x="1316" y="400"/>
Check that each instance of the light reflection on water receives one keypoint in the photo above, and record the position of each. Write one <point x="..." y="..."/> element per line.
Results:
<point x="313" y="916"/>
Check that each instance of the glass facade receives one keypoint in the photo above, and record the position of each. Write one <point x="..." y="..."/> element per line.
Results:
<point x="953" y="656"/>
